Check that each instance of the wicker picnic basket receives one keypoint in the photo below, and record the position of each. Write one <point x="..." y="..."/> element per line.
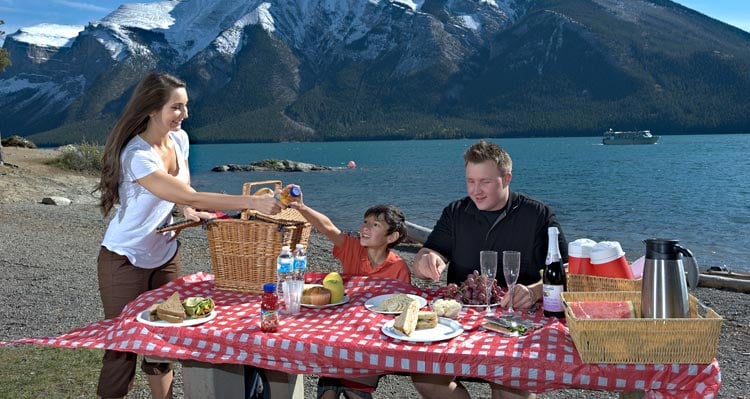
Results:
<point x="244" y="251"/>
<point x="588" y="283"/>
<point x="643" y="341"/>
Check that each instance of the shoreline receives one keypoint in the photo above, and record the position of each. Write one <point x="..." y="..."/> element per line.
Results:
<point x="50" y="252"/>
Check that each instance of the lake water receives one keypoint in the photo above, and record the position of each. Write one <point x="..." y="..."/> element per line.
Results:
<point x="692" y="188"/>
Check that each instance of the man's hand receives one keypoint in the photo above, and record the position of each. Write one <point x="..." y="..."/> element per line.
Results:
<point x="524" y="296"/>
<point x="428" y="264"/>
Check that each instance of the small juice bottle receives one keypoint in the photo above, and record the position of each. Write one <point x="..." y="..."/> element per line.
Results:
<point x="269" y="309"/>
<point x="289" y="194"/>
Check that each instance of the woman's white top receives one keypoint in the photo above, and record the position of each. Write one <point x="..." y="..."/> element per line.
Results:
<point x="131" y="232"/>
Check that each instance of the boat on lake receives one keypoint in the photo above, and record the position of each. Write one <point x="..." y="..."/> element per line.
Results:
<point x="630" y="137"/>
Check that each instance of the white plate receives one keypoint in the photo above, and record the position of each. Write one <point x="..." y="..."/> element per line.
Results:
<point x="344" y="300"/>
<point x="143" y="318"/>
<point x="446" y="329"/>
<point x="373" y="303"/>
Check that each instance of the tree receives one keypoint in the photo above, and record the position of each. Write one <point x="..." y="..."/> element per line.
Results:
<point x="4" y="56"/>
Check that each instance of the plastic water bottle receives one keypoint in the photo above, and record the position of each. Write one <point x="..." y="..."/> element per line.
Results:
<point x="300" y="262"/>
<point x="284" y="267"/>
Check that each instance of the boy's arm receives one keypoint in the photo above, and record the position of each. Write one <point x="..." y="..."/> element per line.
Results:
<point x="320" y="222"/>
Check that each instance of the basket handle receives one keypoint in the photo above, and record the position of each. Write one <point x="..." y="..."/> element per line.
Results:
<point x="250" y="187"/>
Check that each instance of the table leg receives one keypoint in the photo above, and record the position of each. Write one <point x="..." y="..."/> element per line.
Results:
<point x="285" y="385"/>
<point x="204" y="380"/>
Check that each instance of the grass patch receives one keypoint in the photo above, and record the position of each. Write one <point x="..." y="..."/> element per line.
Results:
<point x="85" y="157"/>
<point x="32" y="372"/>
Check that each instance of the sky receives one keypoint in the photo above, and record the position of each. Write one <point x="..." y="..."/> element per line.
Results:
<point x="21" y="13"/>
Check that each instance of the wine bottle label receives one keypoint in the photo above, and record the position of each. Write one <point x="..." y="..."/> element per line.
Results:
<point x="552" y="301"/>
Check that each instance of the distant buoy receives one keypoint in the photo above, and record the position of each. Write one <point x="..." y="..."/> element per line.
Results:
<point x="351" y="165"/>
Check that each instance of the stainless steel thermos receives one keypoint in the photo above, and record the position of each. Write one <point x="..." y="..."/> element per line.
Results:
<point x="664" y="293"/>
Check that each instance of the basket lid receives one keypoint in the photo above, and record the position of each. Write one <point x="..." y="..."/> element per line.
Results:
<point x="288" y="216"/>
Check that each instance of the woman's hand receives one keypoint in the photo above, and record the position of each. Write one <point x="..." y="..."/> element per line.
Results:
<point x="196" y="215"/>
<point x="265" y="203"/>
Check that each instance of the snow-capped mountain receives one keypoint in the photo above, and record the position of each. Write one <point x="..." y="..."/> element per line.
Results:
<point x="329" y="69"/>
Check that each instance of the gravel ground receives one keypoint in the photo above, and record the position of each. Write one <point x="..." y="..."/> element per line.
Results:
<point x="49" y="252"/>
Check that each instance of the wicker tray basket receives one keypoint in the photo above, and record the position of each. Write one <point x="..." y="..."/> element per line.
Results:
<point x="643" y="341"/>
<point x="244" y="251"/>
<point x="588" y="283"/>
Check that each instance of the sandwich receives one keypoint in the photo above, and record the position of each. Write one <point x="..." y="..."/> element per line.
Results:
<point x="170" y="310"/>
<point x="426" y="320"/>
<point x="406" y="322"/>
<point x="395" y="303"/>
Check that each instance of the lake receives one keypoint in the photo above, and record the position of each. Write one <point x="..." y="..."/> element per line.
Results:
<point x="687" y="187"/>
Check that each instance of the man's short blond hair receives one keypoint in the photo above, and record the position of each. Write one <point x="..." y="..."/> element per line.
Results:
<point x="486" y="151"/>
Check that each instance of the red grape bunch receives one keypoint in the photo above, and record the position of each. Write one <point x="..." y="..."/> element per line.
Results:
<point x="472" y="291"/>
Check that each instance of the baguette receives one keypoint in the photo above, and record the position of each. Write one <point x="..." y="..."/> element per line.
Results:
<point x="406" y="322"/>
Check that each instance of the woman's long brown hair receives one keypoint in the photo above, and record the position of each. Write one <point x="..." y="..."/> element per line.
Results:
<point x="151" y="94"/>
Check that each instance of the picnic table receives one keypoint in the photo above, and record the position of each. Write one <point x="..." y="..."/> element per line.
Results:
<point x="348" y="341"/>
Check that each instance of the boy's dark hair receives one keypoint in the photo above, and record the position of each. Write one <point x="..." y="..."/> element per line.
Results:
<point x="393" y="217"/>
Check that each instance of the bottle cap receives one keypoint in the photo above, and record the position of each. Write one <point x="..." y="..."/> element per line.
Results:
<point x="295" y="191"/>
<point x="285" y="248"/>
<point x="298" y="246"/>
<point x="269" y="288"/>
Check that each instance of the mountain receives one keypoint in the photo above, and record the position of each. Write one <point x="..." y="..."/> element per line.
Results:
<point x="280" y="70"/>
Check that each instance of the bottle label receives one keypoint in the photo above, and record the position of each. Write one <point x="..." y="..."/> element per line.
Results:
<point x="552" y="301"/>
<point x="284" y="267"/>
<point x="300" y="264"/>
<point x="269" y="320"/>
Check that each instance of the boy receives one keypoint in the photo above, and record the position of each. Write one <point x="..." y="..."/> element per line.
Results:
<point x="369" y="255"/>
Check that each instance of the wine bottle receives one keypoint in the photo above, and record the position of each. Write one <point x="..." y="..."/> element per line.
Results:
<point x="554" y="282"/>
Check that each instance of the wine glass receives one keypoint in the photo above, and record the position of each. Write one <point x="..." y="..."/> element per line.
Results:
<point x="511" y="268"/>
<point x="488" y="263"/>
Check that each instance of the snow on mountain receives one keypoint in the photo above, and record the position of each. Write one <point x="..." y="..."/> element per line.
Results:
<point x="47" y="93"/>
<point x="414" y="5"/>
<point x="205" y="37"/>
<point x="190" y="27"/>
<point x="48" y="35"/>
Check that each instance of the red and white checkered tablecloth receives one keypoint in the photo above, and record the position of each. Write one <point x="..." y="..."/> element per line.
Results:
<point x="347" y="340"/>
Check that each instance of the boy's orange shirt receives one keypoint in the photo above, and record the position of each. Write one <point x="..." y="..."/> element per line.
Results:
<point x="354" y="260"/>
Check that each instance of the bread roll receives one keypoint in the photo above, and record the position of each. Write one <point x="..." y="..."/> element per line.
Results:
<point x="316" y="295"/>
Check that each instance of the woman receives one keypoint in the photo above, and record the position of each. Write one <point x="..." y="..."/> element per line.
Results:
<point x="146" y="171"/>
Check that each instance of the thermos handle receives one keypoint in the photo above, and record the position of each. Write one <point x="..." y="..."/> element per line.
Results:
<point x="690" y="265"/>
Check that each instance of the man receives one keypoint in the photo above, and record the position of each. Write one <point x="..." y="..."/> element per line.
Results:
<point x="492" y="217"/>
